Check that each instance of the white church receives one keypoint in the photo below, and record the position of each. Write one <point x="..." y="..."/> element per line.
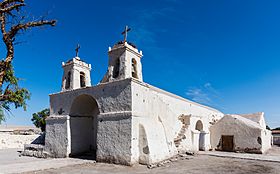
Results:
<point x="124" y="120"/>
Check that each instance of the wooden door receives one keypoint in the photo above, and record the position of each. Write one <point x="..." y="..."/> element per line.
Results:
<point x="227" y="143"/>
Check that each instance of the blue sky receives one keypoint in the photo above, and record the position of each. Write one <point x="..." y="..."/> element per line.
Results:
<point x="224" y="54"/>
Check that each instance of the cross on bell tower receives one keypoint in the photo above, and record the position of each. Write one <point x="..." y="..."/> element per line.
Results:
<point x="126" y="30"/>
<point x="124" y="61"/>
<point x="76" y="73"/>
<point x="77" y="50"/>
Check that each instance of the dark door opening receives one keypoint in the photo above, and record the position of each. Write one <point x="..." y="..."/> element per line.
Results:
<point x="227" y="143"/>
<point x="83" y="127"/>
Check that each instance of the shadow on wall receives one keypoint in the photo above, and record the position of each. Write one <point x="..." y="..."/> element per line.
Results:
<point x="40" y="139"/>
<point x="143" y="146"/>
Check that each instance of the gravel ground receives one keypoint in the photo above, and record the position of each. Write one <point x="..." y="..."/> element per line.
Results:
<point x="193" y="165"/>
<point x="274" y="151"/>
<point x="10" y="162"/>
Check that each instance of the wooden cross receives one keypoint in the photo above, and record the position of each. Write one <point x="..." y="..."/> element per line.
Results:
<point x="77" y="50"/>
<point x="126" y="30"/>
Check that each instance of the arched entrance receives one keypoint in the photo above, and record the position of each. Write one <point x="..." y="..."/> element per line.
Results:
<point x="201" y="141"/>
<point x="83" y="126"/>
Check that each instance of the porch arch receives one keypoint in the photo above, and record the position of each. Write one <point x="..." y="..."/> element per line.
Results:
<point x="83" y="125"/>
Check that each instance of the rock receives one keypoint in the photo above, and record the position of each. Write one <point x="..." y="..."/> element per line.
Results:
<point x="34" y="150"/>
<point x="190" y="153"/>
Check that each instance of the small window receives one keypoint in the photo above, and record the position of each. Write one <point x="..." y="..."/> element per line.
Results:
<point x="68" y="80"/>
<point x="134" y="69"/>
<point x="116" y="70"/>
<point x="82" y="79"/>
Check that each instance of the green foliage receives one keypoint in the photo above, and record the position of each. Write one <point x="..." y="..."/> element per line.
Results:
<point x="12" y="94"/>
<point x="278" y="128"/>
<point x="13" y="22"/>
<point x="9" y="75"/>
<point x="39" y="119"/>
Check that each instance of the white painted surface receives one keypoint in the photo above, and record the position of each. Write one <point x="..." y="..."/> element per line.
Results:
<point x="246" y="134"/>
<point x="256" y="117"/>
<point x="136" y="122"/>
<point x="158" y="112"/>
<point x="123" y="106"/>
<point x="75" y="66"/>
<point x="120" y="67"/>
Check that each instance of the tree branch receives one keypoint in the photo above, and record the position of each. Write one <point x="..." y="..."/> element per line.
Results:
<point x="4" y="97"/>
<point x="15" y="29"/>
<point x="3" y="23"/>
<point x="8" y="9"/>
<point x="7" y="2"/>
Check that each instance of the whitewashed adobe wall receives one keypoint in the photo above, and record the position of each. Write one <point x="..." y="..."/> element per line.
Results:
<point x="123" y="59"/>
<point x="114" y="127"/>
<point x="73" y="68"/>
<point x="132" y="115"/>
<point x="266" y="140"/>
<point x="156" y="115"/>
<point x="248" y="135"/>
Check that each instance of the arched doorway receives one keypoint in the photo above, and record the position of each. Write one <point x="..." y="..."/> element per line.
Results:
<point x="201" y="139"/>
<point x="83" y="126"/>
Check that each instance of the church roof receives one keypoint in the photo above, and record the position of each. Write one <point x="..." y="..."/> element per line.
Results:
<point x="256" y="117"/>
<point x="122" y="42"/>
<point x="246" y="121"/>
<point x="175" y="96"/>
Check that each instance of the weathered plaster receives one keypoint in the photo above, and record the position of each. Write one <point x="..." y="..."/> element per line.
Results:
<point x="249" y="136"/>
<point x="56" y="140"/>
<point x="157" y="112"/>
<point x="126" y="121"/>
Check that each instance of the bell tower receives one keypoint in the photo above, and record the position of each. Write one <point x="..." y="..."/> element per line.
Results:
<point x="124" y="61"/>
<point x="76" y="73"/>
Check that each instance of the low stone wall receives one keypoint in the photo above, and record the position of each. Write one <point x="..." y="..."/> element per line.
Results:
<point x="10" y="140"/>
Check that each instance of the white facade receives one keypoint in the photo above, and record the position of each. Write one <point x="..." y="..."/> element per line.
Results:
<point x="124" y="120"/>
<point x="76" y="74"/>
<point x="133" y="120"/>
<point x="246" y="135"/>
<point x="124" y="62"/>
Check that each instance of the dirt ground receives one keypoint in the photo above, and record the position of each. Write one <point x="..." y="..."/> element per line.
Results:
<point x="274" y="151"/>
<point x="193" y="165"/>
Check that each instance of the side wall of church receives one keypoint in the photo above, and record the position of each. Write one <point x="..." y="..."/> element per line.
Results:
<point x="156" y="124"/>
